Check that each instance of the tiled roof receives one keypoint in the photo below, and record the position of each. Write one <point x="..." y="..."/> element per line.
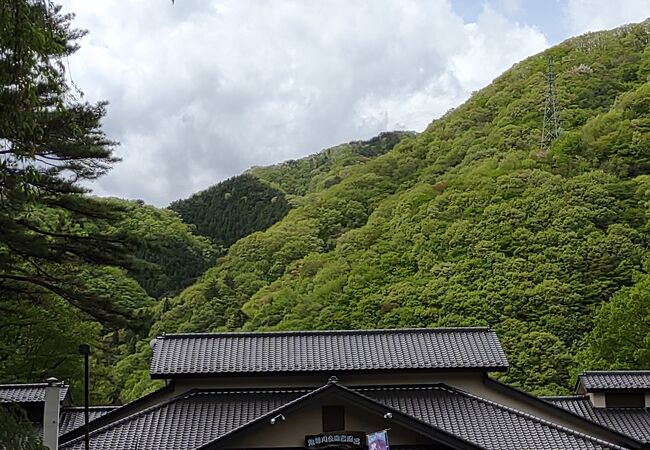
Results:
<point x="72" y="418"/>
<point x="186" y="422"/>
<point x="139" y="404"/>
<point x="327" y="351"/>
<point x="615" y="379"/>
<point x="201" y="417"/>
<point x="482" y="422"/>
<point x="634" y="422"/>
<point x="26" y="393"/>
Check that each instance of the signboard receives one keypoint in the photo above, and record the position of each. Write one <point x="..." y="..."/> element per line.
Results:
<point x="337" y="439"/>
<point x="378" y="440"/>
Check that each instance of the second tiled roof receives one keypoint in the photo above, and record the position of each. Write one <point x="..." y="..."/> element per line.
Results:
<point x="72" y="418"/>
<point x="482" y="422"/>
<point x="327" y="351"/>
<point x="186" y="422"/>
<point x="634" y="422"/>
<point x="26" y="393"/>
<point x="199" y="417"/>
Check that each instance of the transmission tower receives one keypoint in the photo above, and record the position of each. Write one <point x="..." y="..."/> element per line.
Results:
<point x="551" y="126"/>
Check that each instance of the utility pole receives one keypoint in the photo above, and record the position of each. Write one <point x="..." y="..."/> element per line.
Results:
<point x="551" y="125"/>
<point x="84" y="349"/>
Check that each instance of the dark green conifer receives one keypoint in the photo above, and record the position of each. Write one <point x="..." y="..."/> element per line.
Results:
<point x="51" y="144"/>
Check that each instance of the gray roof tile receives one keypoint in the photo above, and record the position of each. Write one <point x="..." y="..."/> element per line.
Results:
<point x="188" y="421"/>
<point x="482" y="422"/>
<point x="615" y="379"/>
<point x="26" y="393"/>
<point x="200" y="417"/>
<point x="634" y="422"/>
<point x="72" y="418"/>
<point x="331" y="351"/>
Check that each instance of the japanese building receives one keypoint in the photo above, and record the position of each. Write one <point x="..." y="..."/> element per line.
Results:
<point x="430" y="388"/>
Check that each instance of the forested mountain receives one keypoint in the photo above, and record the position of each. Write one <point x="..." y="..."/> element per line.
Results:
<point x="327" y="168"/>
<point x="253" y="201"/>
<point x="472" y="223"/>
<point x="172" y="254"/>
<point x="40" y="339"/>
<point x="233" y="209"/>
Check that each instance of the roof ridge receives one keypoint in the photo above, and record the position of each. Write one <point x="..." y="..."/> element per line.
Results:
<point x="615" y="372"/>
<point x="319" y="332"/>
<point x="564" y="397"/>
<point x="399" y="387"/>
<point x="26" y="385"/>
<point x="533" y="417"/>
<point x="72" y="408"/>
<point x="111" y="425"/>
<point x="227" y="391"/>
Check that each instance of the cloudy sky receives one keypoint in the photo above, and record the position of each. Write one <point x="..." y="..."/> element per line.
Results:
<point x="204" y="89"/>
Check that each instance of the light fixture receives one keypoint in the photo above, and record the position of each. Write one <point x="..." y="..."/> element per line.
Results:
<point x="274" y="419"/>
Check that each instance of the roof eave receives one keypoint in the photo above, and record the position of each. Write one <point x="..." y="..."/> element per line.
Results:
<point x="109" y="417"/>
<point x="619" y="390"/>
<point x="629" y="441"/>
<point x="194" y="375"/>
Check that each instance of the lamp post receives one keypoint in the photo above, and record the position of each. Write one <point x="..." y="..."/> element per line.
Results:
<point x="84" y="349"/>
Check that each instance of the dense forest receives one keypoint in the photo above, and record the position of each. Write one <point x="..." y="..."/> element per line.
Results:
<point x="232" y="209"/>
<point x="470" y="222"/>
<point x="253" y="201"/>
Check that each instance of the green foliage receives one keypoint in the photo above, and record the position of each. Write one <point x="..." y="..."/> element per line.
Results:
<point x="67" y="259"/>
<point x="233" y="209"/>
<point x="175" y="256"/>
<point x="465" y="224"/>
<point x="42" y="340"/>
<point x="620" y="338"/>
<point x="49" y="144"/>
<point x="327" y="168"/>
<point x="16" y="433"/>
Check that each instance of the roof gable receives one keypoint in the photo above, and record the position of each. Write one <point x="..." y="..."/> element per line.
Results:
<point x="180" y="355"/>
<point x="215" y="419"/>
<point x="334" y="390"/>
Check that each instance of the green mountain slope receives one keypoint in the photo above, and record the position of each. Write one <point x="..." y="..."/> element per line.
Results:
<point x="326" y="168"/>
<point x="232" y="209"/>
<point x="469" y="223"/>
<point x="41" y="333"/>
<point x="253" y="201"/>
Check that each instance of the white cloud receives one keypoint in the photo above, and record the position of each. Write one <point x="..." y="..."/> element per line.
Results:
<point x="595" y="15"/>
<point x="203" y="90"/>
